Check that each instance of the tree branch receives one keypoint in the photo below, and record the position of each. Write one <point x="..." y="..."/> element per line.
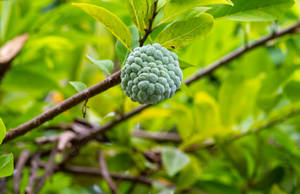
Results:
<point x="23" y="158"/>
<point x="65" y="105"/>
<point x="149" y="29"/>
<point x="33" y="173"/>
<point x="96" y="172"/>
<point x="9" y="51"/>
<point x="159" y="136"/>
<point x="115" y="79"/>
<point x="155" y="156"/>
<point x="265" y="126"/>
<point x="3" y="185"/>
<point x="237" y="53"/>
<point x="49" y="169"/>
<point x="226" y="59"/>
<point x="105" y="174"/>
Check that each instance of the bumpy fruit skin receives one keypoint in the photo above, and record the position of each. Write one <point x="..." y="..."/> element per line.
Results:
<point x="151" y="74"/>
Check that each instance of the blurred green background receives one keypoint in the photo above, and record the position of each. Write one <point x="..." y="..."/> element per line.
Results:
<point x="262" y="85"/>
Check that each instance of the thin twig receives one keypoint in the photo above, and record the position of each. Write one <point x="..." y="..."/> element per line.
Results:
<point x="80" y="128"/>
<point x="84" y="108"/>
<point x="64" y="139"/>
<point x="158" y="136"/>
<point x="115" y="79"/>
<point x="151" y="20"/>
<point x="267" y="125"/>
<point x="96" y="172"/>
<point x="33" y="173"/>
<point x="106" y="175"/>
<point x="109" y="82"/>
<point x="47" y="139"/>
<point x="23" y="158"/>
<point x="49" y="169"/>
<point x="3" y="185"/>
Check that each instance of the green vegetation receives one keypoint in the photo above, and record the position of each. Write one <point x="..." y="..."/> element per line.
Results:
<point x="67" y="126"/>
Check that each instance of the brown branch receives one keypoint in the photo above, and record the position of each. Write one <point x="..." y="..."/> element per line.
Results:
<point x="80" y="129"/>
<point x="9" y="51"/>
<point x="96" y="172"/>
<point x="104" y="128"/>
<point x="115" y="79"/>
<point x="3" y="185"/>
<point x="47" y="139"/>
<point x="155" y="156"/>
<point x="89" y="171"/>
<point x="49" y="169"/>
<point x="65" y="105"/>
<point x="160" y="136"/>
<point x="237" y="53"/>
<point x="151" y="20"/>
<point x="33" y="173"/>
<point x="267" y="125"/>
<point x="64" y="140"/>
<point x="23" y="158"/>
<point x="106" y="175"/>
<point x="226" y="59"/>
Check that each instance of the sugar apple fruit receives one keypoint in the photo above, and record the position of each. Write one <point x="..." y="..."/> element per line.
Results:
<point x="151" y="74"/>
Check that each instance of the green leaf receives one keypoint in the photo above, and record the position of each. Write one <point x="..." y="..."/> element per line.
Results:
<point x="254" y="10"/>
<point x="121" y="51"/>
<point x="185" y="89"/>
<point x="6" y="165"/>
<point x="135" y="36"/>
<point x="286" y="141"/>
<point x="292" y="89"/>
<point x="182" y="33"/>
<point x="33" y="81"/>
<point x="176" y="7"/>
<point x="139" y="10"/>
<point x="110" y="20"/>
<point x="106" y="65"/>
<point x="276" y="55"/>
<point x="79" y="86"/>
<point x="159" y="188"/>
<point x="189" y="175"/>
<point x="174" y="160"/>
<point x="2" y="131"/>
<point x="270" y="177"/>
<point x="184" y="64"/>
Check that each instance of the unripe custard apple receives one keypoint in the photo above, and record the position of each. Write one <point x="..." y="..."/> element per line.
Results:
<point x="151" y="74"/>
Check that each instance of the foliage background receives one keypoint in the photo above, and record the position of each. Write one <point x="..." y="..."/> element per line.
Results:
<point x="259" y="86"/>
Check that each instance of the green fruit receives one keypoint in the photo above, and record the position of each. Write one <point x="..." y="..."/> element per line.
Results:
<point x="151" y="74"/>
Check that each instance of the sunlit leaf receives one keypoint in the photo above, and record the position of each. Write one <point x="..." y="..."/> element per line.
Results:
<point x="106" y="65"/>
<point x="189" y="175"/>
<point x="139" y="10"/>
<point x="174" y="160"/>
<point x="79" y="86"/>
<point x="110" y="20"/>
<point x="182" y="33"/>
<point x="183" y="64"/>
<point x="6" y="165"/>
<point x="254" y="10"/>
<point x="121" y="51"/>
<point x="175" y="8"/>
